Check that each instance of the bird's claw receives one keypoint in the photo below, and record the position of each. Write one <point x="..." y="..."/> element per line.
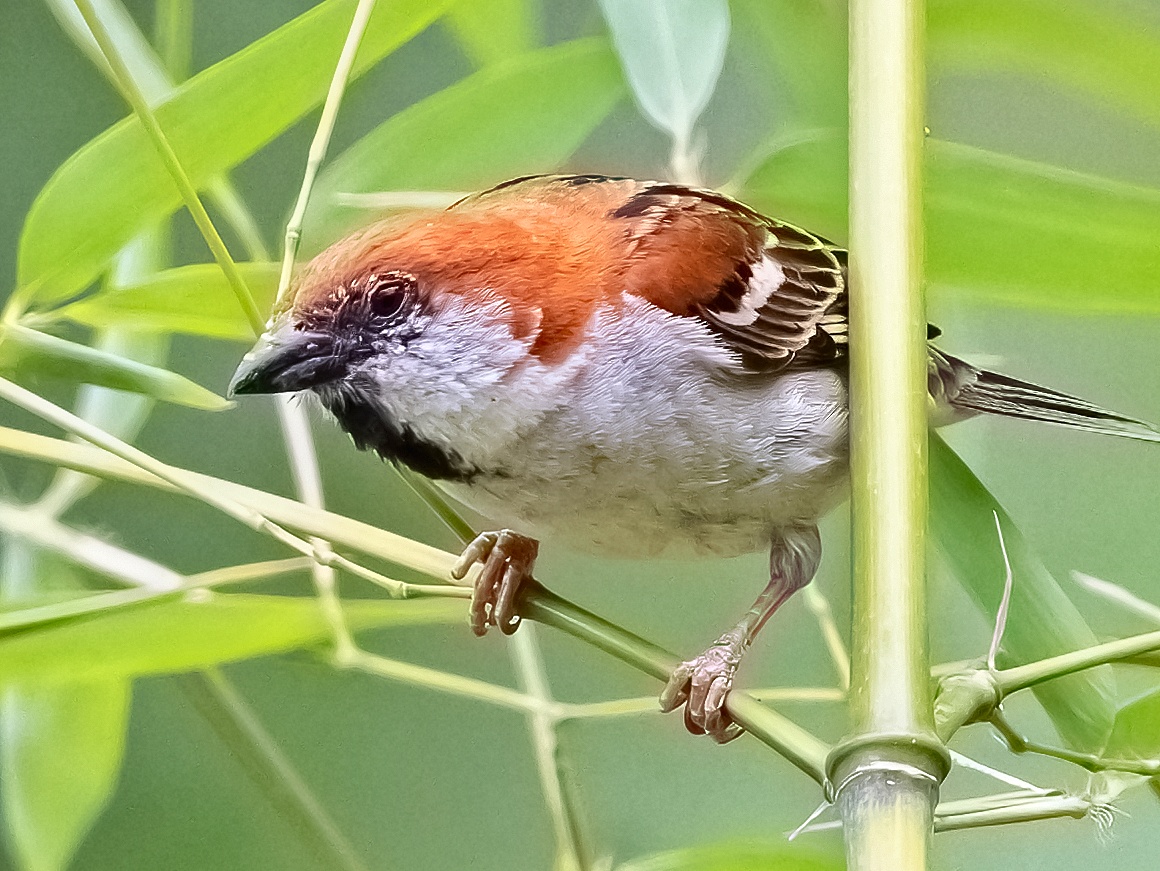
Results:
<point x="507" y="558"/>
<point x="702" y="684"/>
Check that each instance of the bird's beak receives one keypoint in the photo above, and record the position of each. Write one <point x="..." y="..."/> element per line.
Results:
<point x="286" y="359"/>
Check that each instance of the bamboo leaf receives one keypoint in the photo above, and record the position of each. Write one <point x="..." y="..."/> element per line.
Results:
<point x="526" y="115"/>
<point x="190" y="632"/>
<point x="1110" y="55"/>
<point x="492" y="31"/>
<point x="60" y="755"/>
<point x="1136" y="731"/>
<point x="806" y="43"/>
<point x="29" y="353"/>
<point x="194" y="300"/>
<point x="999" y="230"/>
<point x="117" y="184"/>
<point x="743" y="856"/>
<point x="672" y="52"/>
<point x="1042" y="620"/>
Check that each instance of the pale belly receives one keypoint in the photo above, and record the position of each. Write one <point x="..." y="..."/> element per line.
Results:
<point x="705" y="467"/>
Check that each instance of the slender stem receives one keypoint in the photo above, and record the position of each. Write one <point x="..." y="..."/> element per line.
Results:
<point x="101" y="603"/>
<point x="797" y="745"/>
<point x="132" y="93"/>
<point x="1050" y="808"/>
<point x="44" y="530"/>
<point x="1023" y="676"/>
<point x="321" y="141"/>
<point x="819" y="606"/>
<point x="887" y="773"/>
<point x="556" y="781"/>
<point x="422" y="558"/>
<point x="1016" y="743"/>
<point x="210" y="495"/>
<point x="308" y="483"/>
<point x="441" y="681"/>
<point x="250" y="743"/>
<point x="785" y="737"/>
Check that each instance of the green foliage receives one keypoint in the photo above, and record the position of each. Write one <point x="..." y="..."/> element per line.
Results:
<point x="195" y="300"/>
<point x="672" y="52"/>
<point x="548" y="95"/>
<point x="1042" y="620"/>
<point x="29" y="353"/>
<point x="491" y="31"/>
<point x="116" y="184"/>
<point x="60" y="754"/>
<point x="525" y="115"/>
<point x="190" y="632"/>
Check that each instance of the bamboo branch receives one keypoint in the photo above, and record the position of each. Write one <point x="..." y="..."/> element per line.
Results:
<point x="886" y="775"/>
<point x="134" y="97"/>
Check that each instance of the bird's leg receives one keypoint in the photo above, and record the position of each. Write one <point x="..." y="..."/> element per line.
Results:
<point x="507" y="559"/>
<point x="703" y="682"/>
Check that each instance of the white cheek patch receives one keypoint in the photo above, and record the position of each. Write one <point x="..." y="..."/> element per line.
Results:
<point x="767" y="277"/>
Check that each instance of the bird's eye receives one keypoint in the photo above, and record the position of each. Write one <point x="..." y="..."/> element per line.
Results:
<point x="386" y="296"/>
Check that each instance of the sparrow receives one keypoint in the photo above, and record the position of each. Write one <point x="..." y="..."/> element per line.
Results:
<point x="632" y="367"/>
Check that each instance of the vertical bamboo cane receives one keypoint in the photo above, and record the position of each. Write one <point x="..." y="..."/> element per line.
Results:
<point x="886" y="775"/>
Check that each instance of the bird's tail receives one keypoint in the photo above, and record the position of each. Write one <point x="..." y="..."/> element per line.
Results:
<point x="964" y="390"/>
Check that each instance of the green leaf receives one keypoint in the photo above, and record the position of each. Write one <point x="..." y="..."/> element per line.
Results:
<point x="492" y="31"/>
<point x="1042" y="621"/>
<point x="1111" y="55"/>
<point x="806" y="42"/>
<point x="524" y="116"/>
<point x="999" y="229"/>
<point x="738" y="856"/>
<point x="1096" y="48"/>
<point x="190" y="632"/>
<point x="60" y="755"/>
<point x="672" y="52"/>
<point x="1136" y="731"/>
<point x="29" y="353"/>
<point x="195" y="300"/>
<point x="117" y="184"/>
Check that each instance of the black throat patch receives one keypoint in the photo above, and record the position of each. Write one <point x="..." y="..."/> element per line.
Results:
<point x="370" y="429"/>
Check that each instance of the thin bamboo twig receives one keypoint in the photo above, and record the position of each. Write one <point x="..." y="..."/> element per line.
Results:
<point x="441" y="681"/>
<point x="1118" y="594"/>
<point x="1004" y="603"/>
<point x="1016" y="743"/>
<point x="181" y="480"/>
<point x="363" y="537"/>
<point x="103" y="603"/>
<point x="321" y="142"/>
<point x="103" y="557"/>
<point x="572" y="842"/>
<point x="638" y="705"/>
<point x="140" y="106"/>
<point x="573" y="852"/>
<point x="819" y="606"/>
<point x="308" y="483"/>
<point x="239" y="727"/>
<point x="1023" y="676"/>
<point x="797" y="745"/>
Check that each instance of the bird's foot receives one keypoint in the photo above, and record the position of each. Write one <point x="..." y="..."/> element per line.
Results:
<point x="507" y="558"/>
<point x="701" y="684"/>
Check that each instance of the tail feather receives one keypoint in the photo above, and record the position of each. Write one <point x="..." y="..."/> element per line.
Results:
<point x="968" y="390"/>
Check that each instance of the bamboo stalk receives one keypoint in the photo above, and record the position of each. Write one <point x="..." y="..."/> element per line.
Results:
<point x="886" y="775"/>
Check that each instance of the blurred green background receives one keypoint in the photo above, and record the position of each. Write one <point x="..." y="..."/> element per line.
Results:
<point x="417" y="779"/>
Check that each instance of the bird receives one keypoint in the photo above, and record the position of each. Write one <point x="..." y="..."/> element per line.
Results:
<point x="610" y="365"/>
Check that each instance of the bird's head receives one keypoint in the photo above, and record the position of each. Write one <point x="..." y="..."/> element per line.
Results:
<point x="408" y="333"/>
